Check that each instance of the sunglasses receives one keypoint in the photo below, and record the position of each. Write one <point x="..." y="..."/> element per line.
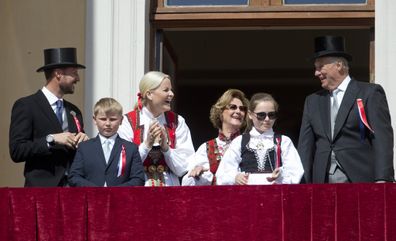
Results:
<point x="235" y="107"/>
<point x="262" y="115"/>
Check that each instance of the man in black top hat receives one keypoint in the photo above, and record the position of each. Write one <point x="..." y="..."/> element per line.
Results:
<point x="45" y="129"/>
<point x="346" y="133"/>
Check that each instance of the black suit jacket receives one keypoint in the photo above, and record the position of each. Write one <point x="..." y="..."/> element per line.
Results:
<point x="364" y="159"/>
<point x="89" y="168"/>
<point x="32" y="119"/>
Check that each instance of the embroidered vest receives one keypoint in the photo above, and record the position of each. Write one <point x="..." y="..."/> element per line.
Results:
<point x="249" y="159"/>
<point x="215" y="154"/>
<point x="214" y="157"/>
<point x="154" y="164"/>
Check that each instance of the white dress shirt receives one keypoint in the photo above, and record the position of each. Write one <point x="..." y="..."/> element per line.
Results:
<point x="341" y="91"/>
<point x="176" y="158"/>
<point x="291" y="170"/>
<point x="52" y="99"/>
<point x="103" y="142"/>
<point x="110" y="139"/>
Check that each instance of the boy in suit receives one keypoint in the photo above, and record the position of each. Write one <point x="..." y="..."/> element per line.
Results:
<point x="107" y="160"/>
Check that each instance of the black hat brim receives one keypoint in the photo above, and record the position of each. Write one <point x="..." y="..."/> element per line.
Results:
<point x="332" y="53"/>
<point x="58" y="65"/>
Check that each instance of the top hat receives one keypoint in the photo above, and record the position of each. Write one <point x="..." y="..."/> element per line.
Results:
<point x="330" y="46"/>
<point x="60" y="58"/>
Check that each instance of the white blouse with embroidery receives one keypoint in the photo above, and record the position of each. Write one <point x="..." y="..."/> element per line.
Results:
<point x="291" y="170"/>
<point x="201" y="159"/>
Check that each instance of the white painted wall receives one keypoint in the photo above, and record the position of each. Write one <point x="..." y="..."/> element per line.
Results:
<point x="116" y="53"/>
<point x="385" y="53"/>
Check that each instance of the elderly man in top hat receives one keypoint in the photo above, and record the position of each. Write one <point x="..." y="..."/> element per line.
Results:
<point x="346" y="133"/>
<point x="45" y="129"/>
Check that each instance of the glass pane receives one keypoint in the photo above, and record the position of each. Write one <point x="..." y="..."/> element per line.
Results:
<point x="325" y="1"/>
<point x="205" y="2"/>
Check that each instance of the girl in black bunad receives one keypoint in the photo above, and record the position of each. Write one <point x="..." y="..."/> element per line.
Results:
<point x="260" y="156"/>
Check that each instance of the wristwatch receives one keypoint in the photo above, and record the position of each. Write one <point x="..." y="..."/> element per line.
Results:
<point x="50" y="139"/>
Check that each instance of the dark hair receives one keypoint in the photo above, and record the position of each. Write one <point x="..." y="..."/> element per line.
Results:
<point x="48" y="73"/>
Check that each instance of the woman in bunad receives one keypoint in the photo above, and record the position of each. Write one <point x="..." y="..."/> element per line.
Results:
<point x="163" y="136"/>
<point x="228" y="115"/>
<point x="260" y="156"/>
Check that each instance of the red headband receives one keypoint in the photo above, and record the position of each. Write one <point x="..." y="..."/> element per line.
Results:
<point x="140" y="97"/>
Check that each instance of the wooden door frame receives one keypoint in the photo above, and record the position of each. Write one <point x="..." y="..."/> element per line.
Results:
<point x="263" y="14"/>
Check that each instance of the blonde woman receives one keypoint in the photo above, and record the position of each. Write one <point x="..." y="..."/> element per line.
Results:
<point x="163" y="136"/>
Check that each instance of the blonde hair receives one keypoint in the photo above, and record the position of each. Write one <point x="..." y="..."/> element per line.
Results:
<point x="217" y="109"/>
<point x="150" y="81"/>
<point x="108" y="106"/>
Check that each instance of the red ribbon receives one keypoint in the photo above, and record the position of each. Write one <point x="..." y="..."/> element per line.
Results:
<point x="123" y="162"/>
<point x="77" y="123"/>
<point x="140" y="97"/>
<point x="278" y="152"/>
<point x="362" y="114"/>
